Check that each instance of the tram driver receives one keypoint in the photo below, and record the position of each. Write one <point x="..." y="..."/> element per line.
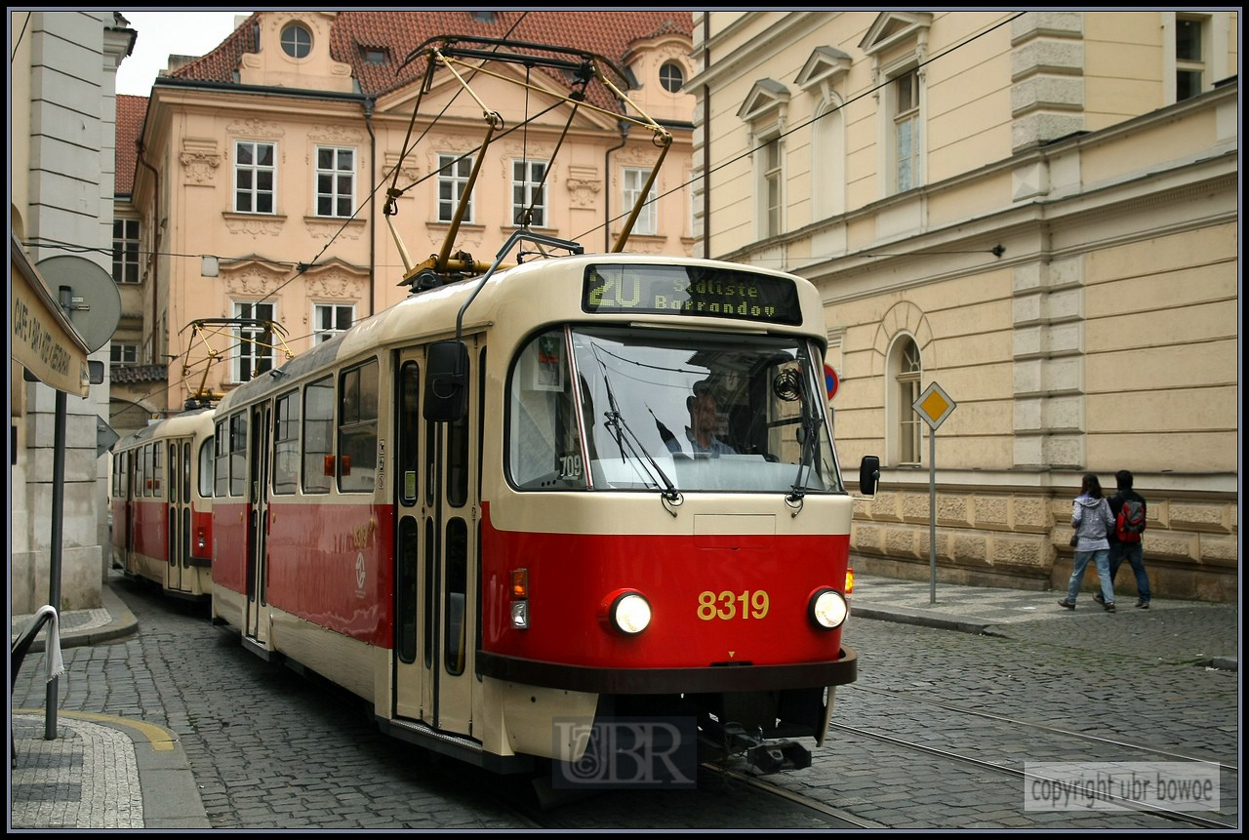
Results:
<point x="700" y="434"/>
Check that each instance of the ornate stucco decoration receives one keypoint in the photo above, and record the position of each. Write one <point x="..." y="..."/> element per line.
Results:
<point x="252" y="279"/>
<point x="326" y="227"/>
<point x="199" y="158"/>
<point x="335" y="283"/>
<point x="409" y="173"/>
<point x="253" y="224"/>
<point x="584" y="185"/>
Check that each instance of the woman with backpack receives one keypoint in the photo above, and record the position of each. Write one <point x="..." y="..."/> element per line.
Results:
<point x="1092" y="520"/>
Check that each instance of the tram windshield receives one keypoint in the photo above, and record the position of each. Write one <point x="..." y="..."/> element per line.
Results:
<point x="668" y="411"/>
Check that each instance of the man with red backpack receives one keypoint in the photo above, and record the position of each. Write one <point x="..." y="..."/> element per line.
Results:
<point x="1128" y="508"/>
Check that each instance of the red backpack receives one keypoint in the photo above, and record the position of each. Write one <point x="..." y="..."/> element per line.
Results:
<point x="1130" y="522"/>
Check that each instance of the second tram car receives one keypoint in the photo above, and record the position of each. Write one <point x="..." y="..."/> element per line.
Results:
<point x="162" y="495"/>
<point x="580" y="489"/>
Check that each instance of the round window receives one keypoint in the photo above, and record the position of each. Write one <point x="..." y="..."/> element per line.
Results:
<point x="671" y="76"/>
<point x="296" y="40"/>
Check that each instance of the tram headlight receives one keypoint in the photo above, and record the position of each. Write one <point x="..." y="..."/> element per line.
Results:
<point x="828" y="609"/>
<point x="627" y="611"/>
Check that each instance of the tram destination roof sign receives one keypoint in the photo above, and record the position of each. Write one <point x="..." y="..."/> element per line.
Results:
<point x="688" y="290"/>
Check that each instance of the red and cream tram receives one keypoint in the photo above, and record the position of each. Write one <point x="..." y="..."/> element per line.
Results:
<point x="492" y="508"/>
<point x="162" y="497"/>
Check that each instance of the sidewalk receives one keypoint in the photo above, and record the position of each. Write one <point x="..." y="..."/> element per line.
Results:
<point x="109" y="772"/>
<point x="100" y="771"/>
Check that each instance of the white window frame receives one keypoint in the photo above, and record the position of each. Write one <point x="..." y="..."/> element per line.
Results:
<point x="525" y="183"/>
<point x="335" y="184"/>
<point x="256" y="171"/>
<point x="906" y="130"/>
<point x="905" y="377"/>
<point x="123" y="353"/>
<point x="453" y="174"/>
<point x="261" y="358"/>
<point x="1214" y="65"/>
<point x="770" y="171"/>
<point x="321" y="332"/>
<point x="632" y="181"/>
<point x="126" y="256"/>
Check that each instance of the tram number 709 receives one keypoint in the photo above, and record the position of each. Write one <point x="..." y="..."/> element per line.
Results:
<point x="743" y="605"/>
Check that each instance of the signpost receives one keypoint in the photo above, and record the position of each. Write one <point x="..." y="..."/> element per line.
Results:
<point x="934" y="405"/>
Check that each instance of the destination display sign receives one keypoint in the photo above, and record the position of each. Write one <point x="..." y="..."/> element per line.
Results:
<point x="690" y="290"/>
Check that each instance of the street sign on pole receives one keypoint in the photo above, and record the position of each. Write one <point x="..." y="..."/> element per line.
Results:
<point x="934" y="405"/>
<point x="831" y="380"/>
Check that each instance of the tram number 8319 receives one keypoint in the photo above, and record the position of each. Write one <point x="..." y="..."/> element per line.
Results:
<point x="743" y="605"/>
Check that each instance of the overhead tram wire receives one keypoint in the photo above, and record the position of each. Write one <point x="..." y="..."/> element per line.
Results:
<point x="393" y="173"/>
<point x="750" y="151"/>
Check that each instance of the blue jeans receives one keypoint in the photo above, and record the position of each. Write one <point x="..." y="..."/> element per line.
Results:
<point x="1101" y="557"/>
<point x="1134" y="553"/>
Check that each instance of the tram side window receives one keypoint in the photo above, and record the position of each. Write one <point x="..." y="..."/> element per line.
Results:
<point x="318" y="442"/>
<point x="221" y="467"/>
<point x="409" y="431"/>
<point x="286" y="444"/>
<point x="157" y="469"/>
<point x="238" y="454"/>
<point x="206" y="467"/>
<point x="357" y="429"/>
<point x="544" y="445"/>
<point x="148" y="470"/>
<point x="174" y="495"/>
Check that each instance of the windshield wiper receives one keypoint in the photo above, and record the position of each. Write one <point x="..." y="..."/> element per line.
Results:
<point x="628" y="440"/>
<point x="810" y="433"/>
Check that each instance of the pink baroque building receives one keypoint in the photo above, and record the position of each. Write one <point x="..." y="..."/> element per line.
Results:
<point x="283" y="179"/>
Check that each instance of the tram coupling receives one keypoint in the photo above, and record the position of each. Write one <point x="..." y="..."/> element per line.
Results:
<point x="768" y="755"/>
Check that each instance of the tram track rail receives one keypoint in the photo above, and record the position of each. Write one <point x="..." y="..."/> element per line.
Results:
<point x="1165" y="813"/>
<point x="1055" y="730"/>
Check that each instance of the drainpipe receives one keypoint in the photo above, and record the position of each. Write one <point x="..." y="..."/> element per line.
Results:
<point x="156" y="232"/>
<point x="706" y="140"/>
<point x="623" y="125"/>
<point x="367" y="105"/>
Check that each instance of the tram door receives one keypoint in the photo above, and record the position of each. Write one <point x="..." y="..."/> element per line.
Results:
<point x="178" y="515"/>
<point x="131" y="508"/>
<point x="258" y="523"/>
<point x="435" y="575"/>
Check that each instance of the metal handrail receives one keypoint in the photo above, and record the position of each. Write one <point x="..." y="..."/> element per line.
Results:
<point x="21" y="646"/>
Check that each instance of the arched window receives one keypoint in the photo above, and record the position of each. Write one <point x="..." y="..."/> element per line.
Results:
<point x="905" y="371"/>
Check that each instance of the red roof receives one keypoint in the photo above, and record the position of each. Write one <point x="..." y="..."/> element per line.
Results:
<point x="131" y="111"/>
<point x="609" y="34"/>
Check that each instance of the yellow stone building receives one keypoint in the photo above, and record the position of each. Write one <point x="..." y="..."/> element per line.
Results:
<point x="1038" y="212"/>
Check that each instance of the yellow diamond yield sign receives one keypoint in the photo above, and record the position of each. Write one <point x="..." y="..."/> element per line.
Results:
<point x="934" y="405"/>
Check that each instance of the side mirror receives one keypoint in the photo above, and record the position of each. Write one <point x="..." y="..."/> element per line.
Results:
<point x="869" y="475"/>
<point x="446" y="381"/>
<point x="95" y="369"/>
